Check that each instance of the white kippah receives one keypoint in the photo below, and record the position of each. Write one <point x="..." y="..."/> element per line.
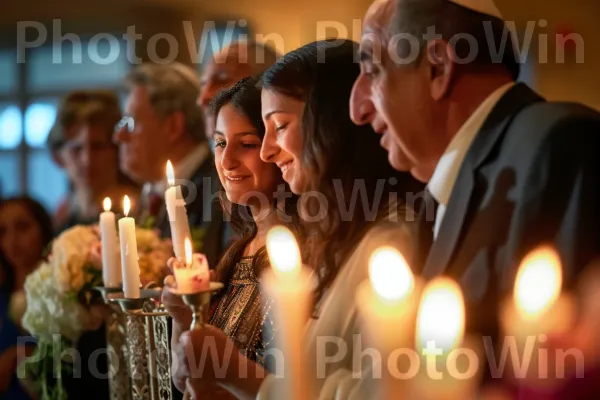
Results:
<point x="483" y="6"/>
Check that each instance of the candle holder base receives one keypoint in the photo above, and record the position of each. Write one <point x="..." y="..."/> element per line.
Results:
<point x="135" y="305"/>
<point x="106" y="292"/>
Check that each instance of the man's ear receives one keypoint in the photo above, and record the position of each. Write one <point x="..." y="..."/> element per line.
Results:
<point x="176" y="126"/>
<point x="441" y="62"/>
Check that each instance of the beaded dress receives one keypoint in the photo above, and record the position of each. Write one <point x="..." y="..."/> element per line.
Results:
<point x="243" y="314"/>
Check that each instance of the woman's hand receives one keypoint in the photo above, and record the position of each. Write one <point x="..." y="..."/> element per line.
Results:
<point x="206" y="357"/>
<point x="181" y="314"/>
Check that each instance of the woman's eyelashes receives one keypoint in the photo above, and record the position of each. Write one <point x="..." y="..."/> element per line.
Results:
<point x="221" y="143"/>
<point x="280" y="127"/>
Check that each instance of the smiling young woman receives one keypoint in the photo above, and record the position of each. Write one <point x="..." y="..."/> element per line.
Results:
<point x="249" y="195"/>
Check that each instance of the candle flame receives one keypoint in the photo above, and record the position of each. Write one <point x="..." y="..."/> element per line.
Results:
<point x="538" y="282"/>
<point x="126" y="205"/>
<point x="390" y="275"/>
<point x="441" y="315"/>
<point x="107" y="204"/>
<point x="187" y="244"/>
<point x="283" y="251"/>
<point x="170" y="173"/>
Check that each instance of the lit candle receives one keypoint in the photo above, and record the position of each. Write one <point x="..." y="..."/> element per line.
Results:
<point x="180" y="228"/>
<point x="111" y="270"/>
<point x="288" y="285"/>
<point x="129" y="255"/>
<point x="537" y="309"/>
<point x="387" y="306"/>
<point x="449" y="362"/>
<point x="192" y="276"/>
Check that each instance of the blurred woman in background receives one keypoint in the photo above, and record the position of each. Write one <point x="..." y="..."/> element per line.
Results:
<point x="25" y="232"/>
<point x="81" y="143"/>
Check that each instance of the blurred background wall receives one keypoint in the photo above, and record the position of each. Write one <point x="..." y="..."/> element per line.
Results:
<point x="35" y="34"/>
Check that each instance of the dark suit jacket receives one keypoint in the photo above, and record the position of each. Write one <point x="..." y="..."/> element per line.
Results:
<point x="203" y="210"/>
<point x="530" y="177"/>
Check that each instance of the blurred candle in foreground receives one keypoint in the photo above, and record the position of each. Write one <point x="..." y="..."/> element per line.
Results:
<point x="193" y="275"/>
<point x="387" y="305"/>
<point x="111" y="270"/>
<point x="536" y="309"/>
<point x="180" y="227"/>
<point x="450" y="366"/>
<point x="288" y="285"/>
<point x="129" y="255"/>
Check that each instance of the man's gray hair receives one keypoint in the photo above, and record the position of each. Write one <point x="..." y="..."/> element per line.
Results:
<point x="260" y="55"/>
<point x="173" y="87"/>
<point x="416" y="17"/>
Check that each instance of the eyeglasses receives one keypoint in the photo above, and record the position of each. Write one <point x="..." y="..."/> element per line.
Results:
<point x="126" y="122"/>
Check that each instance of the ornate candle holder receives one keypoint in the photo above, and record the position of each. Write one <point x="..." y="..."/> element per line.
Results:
<point x="149" y="357"/>
<point x="119" y="382"/>
<point x="197" y="301"/>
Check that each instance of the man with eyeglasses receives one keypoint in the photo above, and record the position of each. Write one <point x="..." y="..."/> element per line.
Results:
<point x="163" y="123"/>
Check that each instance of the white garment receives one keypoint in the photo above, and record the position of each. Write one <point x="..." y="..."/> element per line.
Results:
<point x="183" y="170"/>
<point x="442" y="181"/>
<point x="338" y="318"/>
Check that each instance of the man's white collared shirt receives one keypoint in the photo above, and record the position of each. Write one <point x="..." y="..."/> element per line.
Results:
<point x="444" y="177"/>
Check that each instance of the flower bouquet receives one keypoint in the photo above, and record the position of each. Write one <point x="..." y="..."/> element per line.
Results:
<point x="60" y="308"/>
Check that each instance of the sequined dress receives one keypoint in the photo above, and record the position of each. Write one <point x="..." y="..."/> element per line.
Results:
<point x="243" y="314"/>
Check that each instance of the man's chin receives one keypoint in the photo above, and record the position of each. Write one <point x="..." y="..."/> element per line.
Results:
<point x="398" y="163"/>
<point x="133" y="173"/>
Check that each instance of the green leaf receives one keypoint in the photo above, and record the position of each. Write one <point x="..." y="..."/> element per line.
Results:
<point x="149" y="222"/>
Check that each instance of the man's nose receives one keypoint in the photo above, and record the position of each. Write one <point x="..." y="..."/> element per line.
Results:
<point x="206" y="95"/>
<point x="362" y="110"/>
<point x="120" y="136"/>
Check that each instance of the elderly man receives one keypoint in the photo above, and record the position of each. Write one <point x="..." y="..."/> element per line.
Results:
<point x="163" y="122"/>
<point x="237" y="60"/>
<point x="509" y="170"/>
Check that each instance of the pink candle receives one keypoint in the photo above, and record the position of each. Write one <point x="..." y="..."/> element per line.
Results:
<point x="193" y="274"/>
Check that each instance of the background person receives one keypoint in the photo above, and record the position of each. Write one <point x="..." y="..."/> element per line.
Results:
<point x="81" y="143"/>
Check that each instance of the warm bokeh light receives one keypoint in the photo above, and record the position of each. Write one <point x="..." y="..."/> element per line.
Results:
<point x="441" y="315"/>
<point x="126" y="205"/>
<point x="187" y="244"/>
<point x="170" y="173"/>
<point x="390" y="275"/>
<point x="107" y="204"/>
<point x="283" y="251"/>
<point x="538" y="282"/>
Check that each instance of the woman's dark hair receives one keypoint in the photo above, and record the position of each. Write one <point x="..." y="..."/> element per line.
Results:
<point x="244" y="97"/>
<point x="340" y="158"/>
<point x="41" y="216"/>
